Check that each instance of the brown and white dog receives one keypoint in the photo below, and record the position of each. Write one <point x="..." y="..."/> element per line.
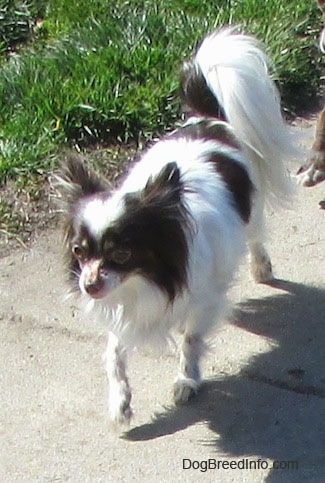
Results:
<point x="158" y="254"/>
<point x="313" y="172"/>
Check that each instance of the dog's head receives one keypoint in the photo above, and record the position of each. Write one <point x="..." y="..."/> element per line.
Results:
<point x="110" y="237"/>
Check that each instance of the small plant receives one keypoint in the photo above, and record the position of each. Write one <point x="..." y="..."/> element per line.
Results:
<point x="17" y="21"/>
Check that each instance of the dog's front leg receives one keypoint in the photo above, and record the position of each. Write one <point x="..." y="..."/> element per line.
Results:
<point x="119" y="392"/>
<point x="205" y="314"/>
<point x="189" y="376"/>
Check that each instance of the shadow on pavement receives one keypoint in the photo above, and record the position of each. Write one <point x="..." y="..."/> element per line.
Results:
<point x="275" y="407"/>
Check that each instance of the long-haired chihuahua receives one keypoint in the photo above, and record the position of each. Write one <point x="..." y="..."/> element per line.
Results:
<point x="159" y="253"/>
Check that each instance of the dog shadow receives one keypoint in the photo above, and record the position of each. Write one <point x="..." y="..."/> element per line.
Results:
<point x="274" y="408"/>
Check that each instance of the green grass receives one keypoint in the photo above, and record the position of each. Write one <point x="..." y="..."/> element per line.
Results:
<point x="92" y="72"/>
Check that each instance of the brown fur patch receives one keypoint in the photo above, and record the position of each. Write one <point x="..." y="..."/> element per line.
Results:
<point x="237" y="181"/>
<point x="313" y="172"/>
<point x="233" y="173"/>
<point x="319" y="142"/>
<point x="196" y="94"/>
<point x="150" y="238"/>
<point x="207" y="130"/>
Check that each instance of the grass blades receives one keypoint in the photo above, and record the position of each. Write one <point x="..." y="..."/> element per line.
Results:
<point x="99" y="73"/>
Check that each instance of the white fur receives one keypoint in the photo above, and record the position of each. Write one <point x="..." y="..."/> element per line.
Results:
<point x="219" y="241"/>
<point x="119" y="393"/>
<point x="322" y="41"/>
<point x="137" y="312"/>
<point x="236" y="70"/>
<point x="99" y="213"/>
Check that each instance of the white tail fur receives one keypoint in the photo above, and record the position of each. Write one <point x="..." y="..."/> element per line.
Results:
<point x="235" y="69"/>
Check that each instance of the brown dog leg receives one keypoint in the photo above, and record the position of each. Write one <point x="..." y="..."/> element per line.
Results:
<point x="313" y="172"/>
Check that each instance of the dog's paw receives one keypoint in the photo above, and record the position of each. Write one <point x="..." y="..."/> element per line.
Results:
<point x="120" y="415"/>
<point x="261" y="269"/>
<point x="184" y="389"/>
<point x="119" y="406"/>
<point x="310" y="176"/>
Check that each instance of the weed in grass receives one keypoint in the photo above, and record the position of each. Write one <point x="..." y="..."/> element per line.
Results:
<point x="25" y="207"/>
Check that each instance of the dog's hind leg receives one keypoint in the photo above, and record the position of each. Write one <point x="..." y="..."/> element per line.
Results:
<point x="260" y="263"/>
<point x="261" y="266"/>
<point x="119" y="392"/>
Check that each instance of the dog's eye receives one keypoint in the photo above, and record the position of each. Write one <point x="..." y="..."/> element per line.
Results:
<point x="79" y="252"/>
<point x="120" y="256"/>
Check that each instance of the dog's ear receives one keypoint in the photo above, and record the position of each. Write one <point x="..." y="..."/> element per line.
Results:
<point x="75" y="180"/>
<point x="167" y="184"/>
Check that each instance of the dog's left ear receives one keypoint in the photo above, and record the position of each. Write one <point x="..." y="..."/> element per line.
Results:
<point x="166" y="183"/>
<point x="75" y="180"/>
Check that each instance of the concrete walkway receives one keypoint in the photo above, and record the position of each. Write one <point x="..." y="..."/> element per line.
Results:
<point x="263" y="400"/>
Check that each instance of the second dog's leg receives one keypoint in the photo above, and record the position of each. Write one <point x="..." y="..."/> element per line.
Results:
<point x="313" y="172"/>
<point x="119" y="392"/>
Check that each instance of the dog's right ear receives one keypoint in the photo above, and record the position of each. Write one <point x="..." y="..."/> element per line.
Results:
<point x="75" y="180"/>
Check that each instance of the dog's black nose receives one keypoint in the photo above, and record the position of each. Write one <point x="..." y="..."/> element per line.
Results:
<point x="94" y="287"/>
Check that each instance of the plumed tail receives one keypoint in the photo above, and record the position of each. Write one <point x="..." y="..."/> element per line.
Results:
<point x="228" y="78"/>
